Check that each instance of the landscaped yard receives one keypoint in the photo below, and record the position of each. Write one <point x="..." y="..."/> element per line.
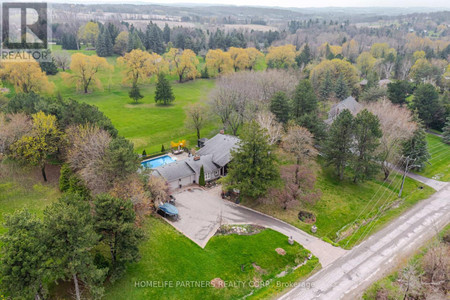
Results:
<point x="439" y="167"/>
<point x="168" y="256"/>
<point x="342" y="202"/>
<point x="146" y="124"/>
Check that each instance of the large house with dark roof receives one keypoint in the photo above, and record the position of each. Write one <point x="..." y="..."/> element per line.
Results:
<point x="214" y="156"/>
<point x="349" y="103"/>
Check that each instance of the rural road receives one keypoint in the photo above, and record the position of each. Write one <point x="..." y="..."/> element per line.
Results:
<point x="348" y="276"/>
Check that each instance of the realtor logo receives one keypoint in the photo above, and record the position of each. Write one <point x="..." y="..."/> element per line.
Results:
<point x="25" y="31"/>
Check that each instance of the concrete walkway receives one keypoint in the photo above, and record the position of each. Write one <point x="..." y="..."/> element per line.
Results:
<point x="435" y="184"/>
<point x="202" y="212"/>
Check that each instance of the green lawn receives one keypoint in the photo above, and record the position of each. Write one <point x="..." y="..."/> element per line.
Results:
<point x="439" y="167"/>
<point x="168" y="256"/>
<point x="342" y="202"/>
<point x="146" y="124"/>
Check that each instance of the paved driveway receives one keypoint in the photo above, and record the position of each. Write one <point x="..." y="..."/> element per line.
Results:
<point x="202" y="212"/>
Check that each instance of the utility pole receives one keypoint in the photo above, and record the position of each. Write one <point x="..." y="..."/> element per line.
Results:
<point x="407" y="168"/>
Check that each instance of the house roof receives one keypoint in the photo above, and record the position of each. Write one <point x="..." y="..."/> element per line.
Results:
<point x="349" y="103"/>
<point x="174" y="171"/>
<point x="219" y="147"/>
<point x="205" y="161"/>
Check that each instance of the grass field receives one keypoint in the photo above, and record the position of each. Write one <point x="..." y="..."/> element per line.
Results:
<point x="168" y="256"/>
<point x="147" y="124"/>
<point x="343" y="202"/>
<point x="439" y="167"/>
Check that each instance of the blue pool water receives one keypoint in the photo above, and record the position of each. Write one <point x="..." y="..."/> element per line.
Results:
<point x="156" y="162"/>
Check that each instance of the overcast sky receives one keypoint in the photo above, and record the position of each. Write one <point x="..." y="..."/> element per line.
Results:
<point x="319" y="3"/>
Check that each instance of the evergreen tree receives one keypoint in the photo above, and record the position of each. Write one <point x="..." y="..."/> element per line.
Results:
<point x="201" y="179"/>
<point x="154" y="39"/>
<point x="69" y="42"/>
<point x="166" y="33"/>
<point x="305" y="57"/>
<point x="372" y="79"/>
<point x="399" y="90"/>
<point x="337" y="148"/>
<point x="108" y="41"/>
<point x="114" y="221"/>
<point x="426" y="102"/>
<point x="134" y="41"/>
<point x="446" y="133"/>
<point x="341" y="89"/>
<point x="326" y="86"/>
<point x="163" y="92"/>
<point x="279" y="106"/>
<point x="367" y="134"/>
<point x="253" y="167"/>
<point x="416" y="147"/>
<point x="24" y="265"/>
<point x="305" y="100"/>
<point x="144" y="153"/>
<point x="135" y="93"/>
<point x="49" y="67"/>
<point x="100" y="45"/>
<point x="163" y="149"/>
<point x="68" y="224"/>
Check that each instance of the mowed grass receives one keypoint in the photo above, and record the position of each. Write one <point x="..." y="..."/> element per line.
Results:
<point x="439" y="167"/>
<point x="147" y="124"/>
<point x="343" y="202"/>
<point x="168" y="256"/>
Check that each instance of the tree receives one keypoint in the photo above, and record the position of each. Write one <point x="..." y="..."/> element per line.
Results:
<point x="12" y="128"/>
<point x="27" y="77"/>
<point x="25" y="265"/>
<point x="416" y="147"/>
<point x="163" y="92"/>
<point x="104" y="43"/>
<point x="114" y="221"/>
<point x="218" y="62"/>
<point x="121" y="43"/>
<point x="140" y="66"/>
<point x="341" y="89"/>
<point x="426" y="102"/>
<point x="446" y="132"/>
<point x="280" y="107"/>
<point x="326" y="87"/>
<point x="267" y="121"/>
<point x="40" y="143"/>
<point x="166" y="33"/>
<point x="88" y="33"/>
<point x="365" y="63"/>
<point x="134" y="41"/>
<point x="241" y="60"/>
<point x="85" y="69"/>
<point x="253" y="169"/>
<point x="69" y="42"/>
<point x="201" y="179"/>
<point x="299" y="142"/>
<point x="62" y="59"/>
<point x="304" y="58"/>
<point x="120" y="160"/>
<point x="367" y="133"/>
<point x="281" y="57"/>
<point x="135" y="93"/>
<point x="183" y="63"/>
<point x="398" y="91"/>
<point x="49" y="67"/>
<point x="68" y="223"/>
<point x="197" y="116"/>
<point x="299" y="182"/>
<point x="337" y="148"/>
<point x="336" y="68"/>
<point x="397" y="125"/>
<point x="254" y="55"/>
<point x="304" y="101"/>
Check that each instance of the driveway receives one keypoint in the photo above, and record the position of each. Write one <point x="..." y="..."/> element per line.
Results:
<point x="202" y="212"/>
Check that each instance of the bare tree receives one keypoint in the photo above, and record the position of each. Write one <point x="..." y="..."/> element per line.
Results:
<point x="12" y="128"/>
<point x="197" y="116"/>
<point x="267" y="120"/>
<point x="87" y="145"/>
<point x="299" y="142"/>
<point x="62" y="59"/>
<point x="410" y="280"/>
<point x="397" y="126"/>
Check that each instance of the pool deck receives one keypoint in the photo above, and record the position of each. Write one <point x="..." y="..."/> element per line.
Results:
<point x="181" y="156"/>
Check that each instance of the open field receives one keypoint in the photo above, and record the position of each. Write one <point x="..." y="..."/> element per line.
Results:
<point x="169" y="256"/>
<point x="344" y="202"/>
<point x="439" y="167"/>
<point x="147" y="124"/>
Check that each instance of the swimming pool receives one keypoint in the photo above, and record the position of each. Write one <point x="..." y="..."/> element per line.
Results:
<point x="156" y="162"/>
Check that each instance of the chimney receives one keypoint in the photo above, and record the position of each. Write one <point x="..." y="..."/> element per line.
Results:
<point x="222" y="131"/>
<point x="197" y="157"/>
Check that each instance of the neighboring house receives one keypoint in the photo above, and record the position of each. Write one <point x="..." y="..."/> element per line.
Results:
<point x="214" y="156"/>
<point x="349" y="103"/>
